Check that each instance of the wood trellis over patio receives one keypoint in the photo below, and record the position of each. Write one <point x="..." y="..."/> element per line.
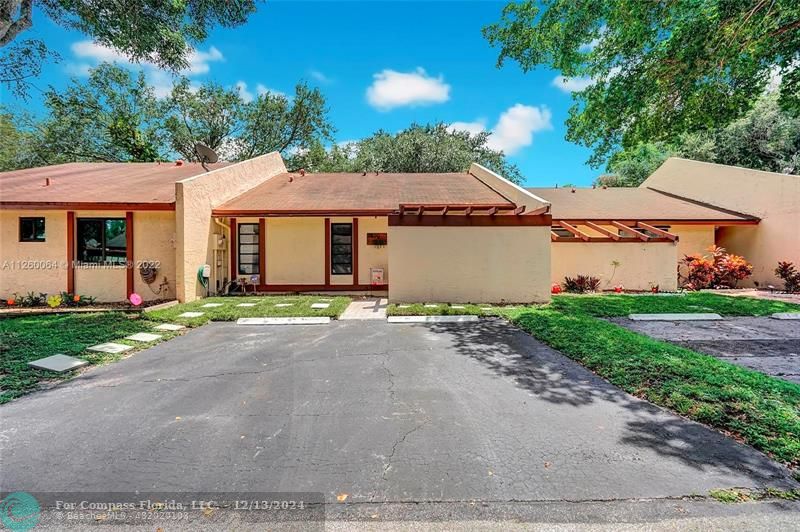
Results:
<point x="638" y="231"/>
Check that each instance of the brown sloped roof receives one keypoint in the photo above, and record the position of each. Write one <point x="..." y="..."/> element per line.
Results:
<point x="145" y="184"/>
<point x="354" y="193"/>
<point x="623" y="203"/>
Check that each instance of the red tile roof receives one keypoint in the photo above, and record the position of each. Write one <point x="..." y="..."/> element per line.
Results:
<point x="147" y="184"/>
<point x="354" y="193"/>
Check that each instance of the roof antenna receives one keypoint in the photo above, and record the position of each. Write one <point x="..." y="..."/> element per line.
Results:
<point x="205" y="154"/>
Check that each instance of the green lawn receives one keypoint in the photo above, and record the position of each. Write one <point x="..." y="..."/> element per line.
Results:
<point x="265" y="306"/>
<point x="441" y="309"/>
<point x="622" y="305"/>
<point x="27" y="338"/>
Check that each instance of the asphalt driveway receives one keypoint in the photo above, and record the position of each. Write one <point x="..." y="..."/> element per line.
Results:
<point x="376" y="411"/>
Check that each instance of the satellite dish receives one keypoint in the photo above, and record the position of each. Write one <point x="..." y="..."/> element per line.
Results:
<point x="205" y="154"/>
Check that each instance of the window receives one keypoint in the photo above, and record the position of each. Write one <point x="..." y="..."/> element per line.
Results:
<point x="102" y="240"/>
<point x="248" y="263"/>
<point x="31" y="229"/>
<point x="341" y="249"/>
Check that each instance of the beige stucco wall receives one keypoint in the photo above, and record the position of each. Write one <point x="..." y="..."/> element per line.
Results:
<point x="372" y="256"/>
<point x="195" y="199"/>
<point x="296" y="250"/>
<point x="775" y="198"/>
<point x="42" y="266"/>
<point x="33" y="266"/>
<point x="641" y="265"/>
<point x="154" y="240"/>
<point x="469" y="264"/>
<point x="693" y="238"/>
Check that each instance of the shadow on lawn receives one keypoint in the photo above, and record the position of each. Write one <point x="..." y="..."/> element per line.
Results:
<point x="510" y="352"/>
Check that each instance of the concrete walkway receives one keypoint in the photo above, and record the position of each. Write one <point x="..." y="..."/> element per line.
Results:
<point x="373" y="308"/>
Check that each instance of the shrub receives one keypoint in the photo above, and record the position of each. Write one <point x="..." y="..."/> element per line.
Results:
<point x="789" y="275"/>
<point x="719" y="269"/>
<point x="581" y="284"/>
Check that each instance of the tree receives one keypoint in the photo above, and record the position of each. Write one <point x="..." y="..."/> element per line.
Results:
<point x="16" y="145"/>
<point x="766" y="138"/>
<point x="419" y="148"/>
<point x="656" y="69"/>
<point x="238" y="130"/>
<point x="112" y="116"/>
<point x="154" y="31"/>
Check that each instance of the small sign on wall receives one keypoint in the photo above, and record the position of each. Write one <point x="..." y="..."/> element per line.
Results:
<point x="377" y="239"/>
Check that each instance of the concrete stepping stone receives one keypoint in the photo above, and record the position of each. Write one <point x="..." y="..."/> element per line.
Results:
<point x="58" y="363"/>
<point x="320" y="305"/>
<point x="170" y="327"/>
<point x="191" y="314"/>
<point x="284" y="321"/>
<point x="458" y="306"/>
<point x="284" y="304"/>
<point x="431" y="319"/>
<point x="430" y="305"/>
<point x="700" y="316"/>
<point x="212" y="305"/>
<point x="246" y="305"/>
<point x="143" y="337"/>
<point x="110" y="347"/>
<point x="786" y="316"/>
<point x="403" y="306"/>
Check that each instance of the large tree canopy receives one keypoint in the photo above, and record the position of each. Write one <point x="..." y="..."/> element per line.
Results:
<point x="766" y="138"/>
<point x="419" y="148"/>
<point x="238" y="130"/>
<point x="658" y="68"/>
<point x="157" y="31"/>
<point x="114" y="115"/>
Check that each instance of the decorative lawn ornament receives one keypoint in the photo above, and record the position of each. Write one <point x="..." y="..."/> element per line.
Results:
<point x="556" y="288"/>
<point x="619" y="288"/>
<point x="135" y="299"/>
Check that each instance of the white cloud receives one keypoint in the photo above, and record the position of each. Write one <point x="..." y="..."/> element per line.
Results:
<point x="392" y="89"/>
<point x="319" y="76"/>
<point x="514" y="129"/>
<point x="80" y="70"/>
<point x="262" y="89"/>
<point x="199" y="60"/>
<point x="473" y="128"/>
<point x="245" y="94"/>
<point x="572" y="84"/>
<point x="97" y="52"/>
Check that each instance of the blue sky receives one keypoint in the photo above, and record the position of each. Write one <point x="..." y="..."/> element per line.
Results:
<point x="380" y="65"/>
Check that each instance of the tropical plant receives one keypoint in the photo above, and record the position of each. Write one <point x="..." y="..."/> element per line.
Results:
<point x="581" y="284"/>
<point x="787" y="272"/>
<point x="717" y="269"/>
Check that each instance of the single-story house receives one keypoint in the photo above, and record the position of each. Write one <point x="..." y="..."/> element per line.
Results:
<point x="176" y="230"/>
<point x="694" y="205"/>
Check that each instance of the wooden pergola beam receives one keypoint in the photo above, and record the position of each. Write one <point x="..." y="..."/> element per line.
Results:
<point x="541" y="210"/>
<point x="628" y="229"/>
<point x="554" y="236"/>
<point x="492" y="211"/>
<point x="657" y="231"/>
<point x="468" y="211"/>
<point x="519" y="210"/>
<point x="575" y="231"/>
<point x="601" y="230"/>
